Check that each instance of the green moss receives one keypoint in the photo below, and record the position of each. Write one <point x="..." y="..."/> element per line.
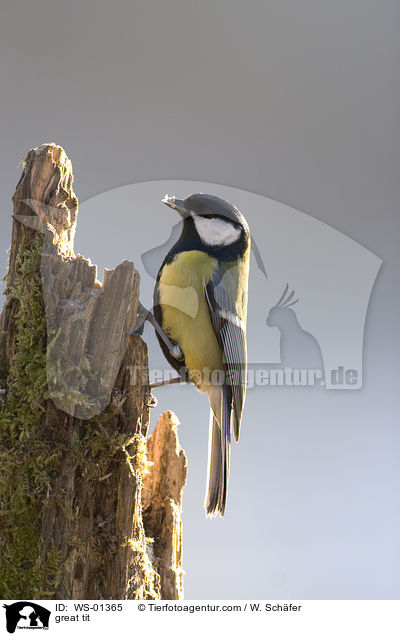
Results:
<point x="51" y="572"/>
<point x="25" y="459"/>
<point x="28" y="462"/>
<point x="144" y="581"/>
<point x="138" y="459"/>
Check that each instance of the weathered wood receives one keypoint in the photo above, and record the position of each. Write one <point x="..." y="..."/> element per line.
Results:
<point x="162" y="503"/>
<point x="74" y="420"/>
<point x="47" y="179"/>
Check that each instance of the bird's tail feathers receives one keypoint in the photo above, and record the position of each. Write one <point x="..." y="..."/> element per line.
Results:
<point x="219" y="448"/>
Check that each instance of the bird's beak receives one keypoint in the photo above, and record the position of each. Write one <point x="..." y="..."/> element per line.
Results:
<point x="176" y="204"/>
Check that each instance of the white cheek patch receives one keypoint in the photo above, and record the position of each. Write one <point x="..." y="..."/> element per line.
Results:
<point x="216" y="231"/>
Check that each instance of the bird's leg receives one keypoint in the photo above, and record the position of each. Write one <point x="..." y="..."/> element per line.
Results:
<point x="175" y="350"/>
<point x="145" y="314"/>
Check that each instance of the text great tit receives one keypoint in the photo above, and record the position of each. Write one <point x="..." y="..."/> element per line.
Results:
<point x="200" y="303"/>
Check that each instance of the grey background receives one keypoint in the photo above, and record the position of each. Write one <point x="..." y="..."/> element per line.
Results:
<point x="298" y="101"/>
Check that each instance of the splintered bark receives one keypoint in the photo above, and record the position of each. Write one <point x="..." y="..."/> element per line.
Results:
<point x="162" y="502"/>
<point x="74" y="414"/>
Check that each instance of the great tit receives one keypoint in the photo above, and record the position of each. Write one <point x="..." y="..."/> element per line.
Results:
<point x="200" y="303"/>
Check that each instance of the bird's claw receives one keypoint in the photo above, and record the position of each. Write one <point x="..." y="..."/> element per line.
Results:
<point x="152" y="401"/>
<point x="137" y="332"/>
<point x="142" y="316"/>
<point x="177" y="352"/>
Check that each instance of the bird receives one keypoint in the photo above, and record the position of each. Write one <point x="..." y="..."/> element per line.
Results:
<point x="199" y="312"/>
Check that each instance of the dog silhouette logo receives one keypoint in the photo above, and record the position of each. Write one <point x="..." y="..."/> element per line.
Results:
<point x="26" y="615"/>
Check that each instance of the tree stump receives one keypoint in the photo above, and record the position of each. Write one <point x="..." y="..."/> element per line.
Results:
<point x="73" y="424"/>
<point x="162" y="503"/>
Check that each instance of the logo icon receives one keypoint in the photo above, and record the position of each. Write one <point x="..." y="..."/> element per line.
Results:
<point x="26" y="615"/>
<point x="319" y="341"/>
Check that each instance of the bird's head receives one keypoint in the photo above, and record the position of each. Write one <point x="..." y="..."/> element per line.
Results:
<point x="216" y="222"/>
<point x="281" y="311"/>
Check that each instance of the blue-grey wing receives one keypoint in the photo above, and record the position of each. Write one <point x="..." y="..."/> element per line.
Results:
<point x="221" y="292"/>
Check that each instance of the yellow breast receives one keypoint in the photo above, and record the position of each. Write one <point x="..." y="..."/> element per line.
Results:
<point x="186" y="316"/>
